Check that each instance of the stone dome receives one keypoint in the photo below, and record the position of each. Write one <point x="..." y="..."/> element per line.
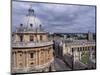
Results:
<point x="31" y="21"/>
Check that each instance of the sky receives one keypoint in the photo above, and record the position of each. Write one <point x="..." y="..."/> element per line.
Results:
<point x="63" y="18"/>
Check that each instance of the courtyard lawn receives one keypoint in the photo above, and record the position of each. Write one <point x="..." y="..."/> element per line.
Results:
<point x="84" y="58"/>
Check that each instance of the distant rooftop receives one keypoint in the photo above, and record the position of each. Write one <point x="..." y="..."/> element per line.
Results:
<point x="79" y="42"/>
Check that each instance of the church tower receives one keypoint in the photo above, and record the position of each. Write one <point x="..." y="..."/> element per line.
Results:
<point x="90" y="36"/>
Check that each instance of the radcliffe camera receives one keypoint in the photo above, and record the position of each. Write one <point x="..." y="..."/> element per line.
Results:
<point x="52" y="37"/>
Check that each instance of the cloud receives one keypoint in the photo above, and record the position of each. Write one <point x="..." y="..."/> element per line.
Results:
<point x="56" y="17"/>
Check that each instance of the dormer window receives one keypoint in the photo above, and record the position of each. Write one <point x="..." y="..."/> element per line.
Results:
<point x="21" y="25"/>
<point x="31" y="25"/>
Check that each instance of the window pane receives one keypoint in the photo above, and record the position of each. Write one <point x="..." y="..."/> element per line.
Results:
<point x="31" y="38"/>
<point x="31" y="55"/>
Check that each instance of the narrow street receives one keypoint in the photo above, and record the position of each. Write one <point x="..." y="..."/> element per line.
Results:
<point x="59" y="65"/>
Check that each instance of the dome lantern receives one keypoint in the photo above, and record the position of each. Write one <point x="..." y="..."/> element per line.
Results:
<point x="30" y="22"/>
<point x="30" y="11"/>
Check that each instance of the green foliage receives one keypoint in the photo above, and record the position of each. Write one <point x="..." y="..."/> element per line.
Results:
<point x="84" y="58"/>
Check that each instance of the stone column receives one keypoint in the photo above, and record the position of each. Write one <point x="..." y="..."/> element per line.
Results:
<point x="43" y="56"/>
<point x="24" y="59"/>
<point x="14" y="59"/>
<point x="27" y="57"/>
<point x="35" y="52"/>
<point x="36" y="58"/>
<point x="39" y="58"/>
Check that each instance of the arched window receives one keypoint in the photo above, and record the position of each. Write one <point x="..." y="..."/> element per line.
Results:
<point x="41" y="38"/>
<point x="78" y="48"/>
<point x="31" y="38"/>
<point x="21" y="38"/>
<point x="20" y="64"/>
<point x="31" y="55"/>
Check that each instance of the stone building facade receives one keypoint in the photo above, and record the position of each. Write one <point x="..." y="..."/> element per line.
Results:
<point x="31" y="49"/>
<point x="79" y="47"/>
<point x="82" y="53"/>
<point x="74" y="52"/>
